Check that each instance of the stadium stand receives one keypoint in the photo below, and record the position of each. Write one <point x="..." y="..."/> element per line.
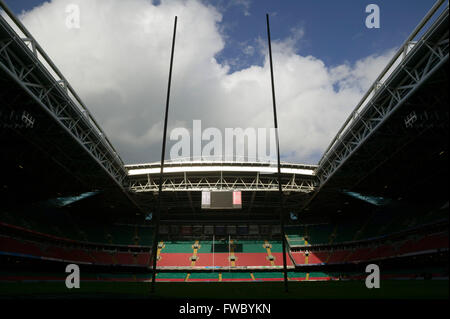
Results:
<point x="244" y="253"/>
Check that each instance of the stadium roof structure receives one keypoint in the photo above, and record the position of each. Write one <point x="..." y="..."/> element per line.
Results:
<point x="394" y="145"/>
<point x="185" y="180"/>
<point x="213" y="175"/>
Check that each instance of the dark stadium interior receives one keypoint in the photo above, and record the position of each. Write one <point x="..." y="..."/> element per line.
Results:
<point x="43" y="162"/>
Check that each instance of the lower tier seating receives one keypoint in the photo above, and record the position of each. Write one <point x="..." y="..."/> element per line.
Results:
<point x="423" y="244"/>
<point x="186" y="254"/>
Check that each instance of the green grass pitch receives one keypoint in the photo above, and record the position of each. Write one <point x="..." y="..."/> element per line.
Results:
<point x="390" y="289"/>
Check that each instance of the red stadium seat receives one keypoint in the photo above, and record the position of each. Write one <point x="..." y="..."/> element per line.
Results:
<point x="125" y="258"/>
<point x="317" y="257"/>
<point x="299" y="257"/>
<point x="207" y="260"/>
<point x="174" y="260"/>
<point x="12" y="245"/>
<point x="252" y="259"/>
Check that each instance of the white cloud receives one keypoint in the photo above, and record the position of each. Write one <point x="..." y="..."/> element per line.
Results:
<point x="249" y="50"/>
<point x="118" y="62"/>
<point x="245" y="5"/>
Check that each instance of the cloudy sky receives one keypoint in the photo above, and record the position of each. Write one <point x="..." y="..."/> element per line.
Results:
<point x="325" y="59"/>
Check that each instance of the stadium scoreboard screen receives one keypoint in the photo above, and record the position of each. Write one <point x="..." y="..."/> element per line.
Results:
<point x="221" y="200"/>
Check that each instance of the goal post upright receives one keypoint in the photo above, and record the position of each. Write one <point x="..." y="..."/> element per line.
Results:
<point x="280" y="190"/>
<point x="163" y="151"/>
